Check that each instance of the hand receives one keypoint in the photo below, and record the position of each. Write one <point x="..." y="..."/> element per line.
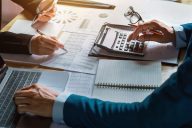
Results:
<point x="46" y="16"/>
<point x="44" y="45"/>
<point x="35" y="99"/>
<point x="153" y="31"/>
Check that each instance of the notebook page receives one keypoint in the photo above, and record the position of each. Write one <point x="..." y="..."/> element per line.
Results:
<point x="128" y="73"/>
<point x="121" y="95"/>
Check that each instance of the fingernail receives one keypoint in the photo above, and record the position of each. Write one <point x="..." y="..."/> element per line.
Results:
<point x="61" y="45"/>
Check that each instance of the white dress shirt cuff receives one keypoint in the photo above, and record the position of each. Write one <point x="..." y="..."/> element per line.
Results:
<point x="30" y="44"/>
<point x="58" y="107"/>
<point x="180" y="37"/>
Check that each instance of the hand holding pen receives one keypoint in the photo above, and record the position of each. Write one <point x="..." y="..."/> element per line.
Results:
<point x="153" y="31"/>
<point x="45" y="45"/>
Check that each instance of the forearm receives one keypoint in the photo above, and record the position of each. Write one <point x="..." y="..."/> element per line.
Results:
<point x="188" y="31"/>
<point x="15" y="43"/>
<point x="183" y="34"/>
<point x="92" y="113"/>
<point x="166" y="107"/>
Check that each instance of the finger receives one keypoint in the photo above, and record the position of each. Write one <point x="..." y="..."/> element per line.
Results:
<point x="45" y="51"/>
<point x="59" y="43"/>
<point x="133" y="26"/>
<point x="25" y="93"/>
<point x="27" y="87"/>
<point x="51" y="41"/>
<point x="152" y="25"/>
<point x="22" y="100"/>
<point x="140" y="29"/>
<point x="33" y="85"/>
<point x="51" y="13"/>
<point x="151" y="37"/>
<point x="44" y="18"/>
<point x="23" y="108"/>
<point x="48" y="46"/>
<point x="130" y="37"/>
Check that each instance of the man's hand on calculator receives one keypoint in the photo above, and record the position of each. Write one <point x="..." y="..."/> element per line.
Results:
<point x="153" y="31"/>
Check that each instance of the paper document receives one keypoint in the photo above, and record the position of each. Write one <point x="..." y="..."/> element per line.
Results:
<point x="77" y="44"/>
<point x="77" y="58"/>
<point x="80" y="84"/>
<point x="172" y="13"/>
<point x="81" y="20"/>
<point x="44" y="27"/>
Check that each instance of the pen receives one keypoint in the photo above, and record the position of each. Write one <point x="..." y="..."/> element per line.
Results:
<point x="41" y="33"/>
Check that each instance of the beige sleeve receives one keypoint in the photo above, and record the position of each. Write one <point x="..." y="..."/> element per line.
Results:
<point x="30" y="5"/>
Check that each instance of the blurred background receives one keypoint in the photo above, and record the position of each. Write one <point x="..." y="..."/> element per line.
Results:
<point x="9" y="10"/>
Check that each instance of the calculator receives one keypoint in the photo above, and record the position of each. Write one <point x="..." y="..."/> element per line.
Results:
<point x="114" y="39"/>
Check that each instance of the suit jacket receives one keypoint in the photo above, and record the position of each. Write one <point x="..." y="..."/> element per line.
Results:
<point x="18" y="43"/>
<point x="30" y="5"/>
<point x="169" y="106"/>
<point x="14" y="43"/>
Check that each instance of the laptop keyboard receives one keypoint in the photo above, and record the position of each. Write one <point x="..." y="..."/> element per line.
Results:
<point x="16" y="81"/>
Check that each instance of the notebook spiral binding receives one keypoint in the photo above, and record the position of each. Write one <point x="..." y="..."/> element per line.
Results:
<point x="126" y="86"/>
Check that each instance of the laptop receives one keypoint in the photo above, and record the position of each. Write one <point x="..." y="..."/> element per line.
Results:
<point x="13" y="79"/>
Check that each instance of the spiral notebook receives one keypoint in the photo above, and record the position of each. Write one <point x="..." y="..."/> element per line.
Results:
<point x="128" y="74"/>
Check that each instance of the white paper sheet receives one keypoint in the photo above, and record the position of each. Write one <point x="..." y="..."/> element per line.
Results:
<point x="24" y="26"/>
<point x="81" y="84"/>
<point x="81" y="20"/>
<point x="171" y="13"/>
<point x="77" y="58"/>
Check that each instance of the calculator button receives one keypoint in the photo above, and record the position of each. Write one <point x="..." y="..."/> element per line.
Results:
<point x="141" y="45"/>
<point x="121" y="48"/>
<point x="137" y="45"/>
<point x="132" y="45"/>
<point x="123" y="41"/>
<point x="121" y="45"/>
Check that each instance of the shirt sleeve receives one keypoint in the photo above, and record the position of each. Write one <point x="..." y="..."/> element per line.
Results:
<point x="180" y="37"/>
<point x="58" y="107"/>
<point x="30" y="52"/>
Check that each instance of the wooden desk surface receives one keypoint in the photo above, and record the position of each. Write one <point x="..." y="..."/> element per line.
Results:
<point x="167" y="70"/>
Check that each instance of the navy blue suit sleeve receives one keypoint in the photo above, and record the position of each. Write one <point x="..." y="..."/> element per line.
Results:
<point x="14" y="43"/>
<point x="188" y="30"/>
<point x="169" y="106"/>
